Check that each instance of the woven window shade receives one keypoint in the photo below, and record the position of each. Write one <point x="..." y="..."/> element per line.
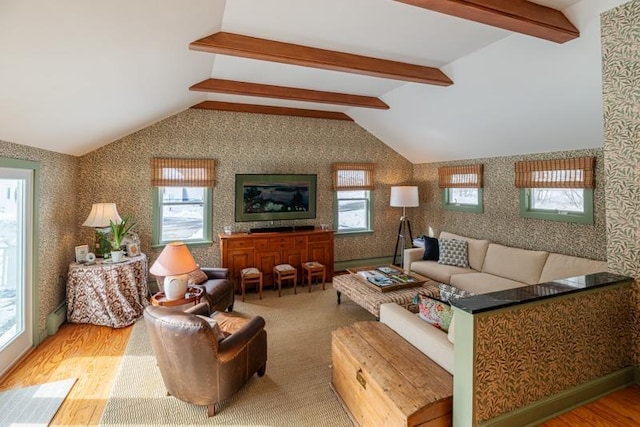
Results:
<point x="182" y="172"/>
<point x="353" y="176"/>
<point x="577" y="172"/>
<point x="468" y="176"/>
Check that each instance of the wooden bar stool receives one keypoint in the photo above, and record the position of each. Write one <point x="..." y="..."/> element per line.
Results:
<point x="251" y="276"/>
<point x="285" y="272"/>
<point x="313" y="269"/>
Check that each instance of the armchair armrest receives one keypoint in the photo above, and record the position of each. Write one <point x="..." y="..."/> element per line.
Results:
<point x="216" y="272"/>
<point x="231" y="346"/>
<point x="411" y="255"/>
<point x="201" y="309"/>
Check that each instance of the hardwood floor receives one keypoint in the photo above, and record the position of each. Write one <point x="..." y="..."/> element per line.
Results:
<point x="92" y="354"/>
<point x="89" y="353"/>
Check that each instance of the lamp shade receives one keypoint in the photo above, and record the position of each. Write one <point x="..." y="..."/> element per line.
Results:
<point x="175" y="259"/>
<point x="405" y="196"/>
<point x="101" y="214"/>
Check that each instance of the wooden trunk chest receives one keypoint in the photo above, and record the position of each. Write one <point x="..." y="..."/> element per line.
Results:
<point x="383" y="380"/>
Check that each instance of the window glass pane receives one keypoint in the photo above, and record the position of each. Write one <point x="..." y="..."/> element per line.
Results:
<point x="11" y="262"/>
<point x="358" y="194"/>
<point x="352" y="215"/>
<point x="463" y="196"/>
<point x="557" y="199"/>
<point x="182" y="194"/>
<point x="182" y="222"/>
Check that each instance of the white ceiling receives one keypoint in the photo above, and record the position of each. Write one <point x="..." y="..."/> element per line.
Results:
<point x="76" y="75"/>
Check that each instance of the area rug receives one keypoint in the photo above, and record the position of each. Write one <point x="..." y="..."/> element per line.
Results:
<point x="35" y="405"/>
<point x="296" y="390"/>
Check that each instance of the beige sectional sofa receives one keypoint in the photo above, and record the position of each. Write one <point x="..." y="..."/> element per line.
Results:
<point x="492" y="267"/>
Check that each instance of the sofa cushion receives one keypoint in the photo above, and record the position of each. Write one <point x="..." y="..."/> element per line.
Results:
<point x="482" y="283"/>
<point x="477" y="249"/>
<point x="452" y="329"/>
<point x="434" y="311"/>
<point x="431" y="341"/>
<point x="215" y="328"/>
<point x="431" y="249"/>
<point x="516" y="264"/>
<point x="560" y="266"/>
<point x="197" y="277"/>
<point x="438" y="272"/>
<point x="448" y="292"/>
<point x="453" y="252"/>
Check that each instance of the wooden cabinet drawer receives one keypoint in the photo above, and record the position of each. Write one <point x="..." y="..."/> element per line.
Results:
<point x="301" y="242"/>
<point x="281" y="243"/>
<point x="319" y="237"/>
<point x="261" y="244"/>
<point x="240" y="244"/>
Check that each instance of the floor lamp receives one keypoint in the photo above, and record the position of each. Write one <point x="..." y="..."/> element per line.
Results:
<point x="403" y="197"/>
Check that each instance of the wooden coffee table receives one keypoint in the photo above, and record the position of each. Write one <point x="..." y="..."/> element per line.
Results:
<point x="371" y="299"/>
<point x="194" y="293"/>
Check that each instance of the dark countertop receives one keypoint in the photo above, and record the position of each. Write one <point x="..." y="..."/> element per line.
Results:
<point x="526" y="294"/>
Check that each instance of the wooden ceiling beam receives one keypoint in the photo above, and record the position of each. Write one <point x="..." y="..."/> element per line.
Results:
<point x="520" y="16"/>
<point x="267" y="109"/>
<point x="282" y="92"/>
<point x="288" y="53"/>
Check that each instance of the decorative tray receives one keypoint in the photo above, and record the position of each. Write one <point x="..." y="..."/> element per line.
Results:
<point x="385" y="278"/>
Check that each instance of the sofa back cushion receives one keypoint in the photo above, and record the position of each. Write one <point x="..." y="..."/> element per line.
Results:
<point x="477" y="249"/>
<point x="562" y="266"/>
<point x="514" y="263"/>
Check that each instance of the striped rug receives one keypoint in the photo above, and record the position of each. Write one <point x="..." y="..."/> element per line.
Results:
<point x="295" y="391"/>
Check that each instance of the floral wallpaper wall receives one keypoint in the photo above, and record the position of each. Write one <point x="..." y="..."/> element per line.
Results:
<point x="245" y="143"/>
<point x="58" y="227"/>
<point x="620" y="29"/>
<point x="526" y="354"/>
<point x="501" y="221"/>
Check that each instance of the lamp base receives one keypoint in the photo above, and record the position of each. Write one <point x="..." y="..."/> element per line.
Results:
<point x="175" y="286"/>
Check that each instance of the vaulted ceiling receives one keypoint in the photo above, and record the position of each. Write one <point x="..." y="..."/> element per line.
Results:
<point x="433" y="79"/>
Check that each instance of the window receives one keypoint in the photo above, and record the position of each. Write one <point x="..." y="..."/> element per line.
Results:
<point x="182" y="200"/>
<point x="354" y="211"/>
<point x="461" y="188"/>
<point x="557" y="190"/>
<point x="353" y="185"/>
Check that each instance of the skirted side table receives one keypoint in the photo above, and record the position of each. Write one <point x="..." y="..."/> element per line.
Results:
<point x="108" y="294"/>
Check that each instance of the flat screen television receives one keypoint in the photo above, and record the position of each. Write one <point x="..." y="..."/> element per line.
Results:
<point x="269" y="197"/>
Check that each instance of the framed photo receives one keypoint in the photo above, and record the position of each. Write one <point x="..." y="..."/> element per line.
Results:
<point x="81" y="253"/>
<point x="133" y="249"/>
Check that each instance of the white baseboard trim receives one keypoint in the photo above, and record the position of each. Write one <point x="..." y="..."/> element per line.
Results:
<point x="56" y="318"/>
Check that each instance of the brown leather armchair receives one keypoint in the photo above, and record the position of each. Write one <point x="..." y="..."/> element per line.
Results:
<point x="195" y="366"/>
<point x="218" y="289"/>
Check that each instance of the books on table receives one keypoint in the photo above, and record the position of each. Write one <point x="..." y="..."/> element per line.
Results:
<point x="381" y="278"/>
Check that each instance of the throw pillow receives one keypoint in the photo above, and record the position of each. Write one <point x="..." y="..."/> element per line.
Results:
<point x="454" y="252"/>
<point x="217" y="332"/>
<point x="448" y="292"/>
<point x="434" y="311"/>
<point x="431" y="249"/>
<point x="197" y="277"/>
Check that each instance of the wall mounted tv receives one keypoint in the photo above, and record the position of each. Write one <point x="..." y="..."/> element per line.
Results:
<point x="269" y="197"/>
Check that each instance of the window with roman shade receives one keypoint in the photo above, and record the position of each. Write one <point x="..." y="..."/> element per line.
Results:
<point x="182" y="205"/>
<point x="353" y="184"/>
<point x="557" y="189"/>
<point x="461" y="187"/>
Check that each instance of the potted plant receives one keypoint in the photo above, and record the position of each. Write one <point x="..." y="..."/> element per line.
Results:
<point x="118" y="233"/>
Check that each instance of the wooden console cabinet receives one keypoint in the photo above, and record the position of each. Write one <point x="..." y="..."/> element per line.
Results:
<point x="265" y="250"/>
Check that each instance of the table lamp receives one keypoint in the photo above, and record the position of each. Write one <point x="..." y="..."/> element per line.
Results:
<point x="99" y="217"/>
<point x="174" y="262"/>
<point x="405" y="196"/>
